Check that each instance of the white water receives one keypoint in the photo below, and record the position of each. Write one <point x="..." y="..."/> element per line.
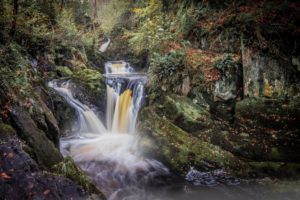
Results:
<point x="124" y="97"/>
<point x="111" y="156"/>
<point x="88" y="120"/>
<point x="104" y="46"/>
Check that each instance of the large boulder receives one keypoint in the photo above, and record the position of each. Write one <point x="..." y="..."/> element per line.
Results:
<point x="43" y="150"/>
<point x="21" y="178"/>
<point x="187" y="115"/>
<point x="178" y="149"/>
<point x="43" y="116"/>
<point x="64" y="114"/>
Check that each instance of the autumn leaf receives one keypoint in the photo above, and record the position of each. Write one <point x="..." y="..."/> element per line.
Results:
<point x="3" y="175"/>
<point x="46" y="192"/>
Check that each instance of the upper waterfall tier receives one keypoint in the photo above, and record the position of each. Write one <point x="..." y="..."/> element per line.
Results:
<point x="125" y="94"/>
<point x="118" y="67"/>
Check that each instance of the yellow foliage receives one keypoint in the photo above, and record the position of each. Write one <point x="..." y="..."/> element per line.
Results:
<point x="110" y="13"/>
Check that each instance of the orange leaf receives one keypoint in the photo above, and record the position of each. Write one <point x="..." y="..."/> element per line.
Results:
<point x="4" y="176"/>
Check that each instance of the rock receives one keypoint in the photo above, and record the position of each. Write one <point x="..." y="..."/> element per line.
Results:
<point x="6" y="132"/>
<point x="44" y="150"/>
<point x="263" y="130"/>
<point x="265" y="76"/>
<point x="89" y="88"/>
<point x="178" y="149"/>
<point x="230" y="83"/>
<point x="69" y="169"/>
<point x="44" y="117"/>
<point x="224" y="41"/>
<point x="186" y="86"/>
<point x="184" y="113"/>
<point x="20" y="178"/>
<point x="273" y="128"/>
<point x="64" y="114"/>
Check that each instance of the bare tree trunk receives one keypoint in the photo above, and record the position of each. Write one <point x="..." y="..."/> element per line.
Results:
<point x="94" y="21"/>
<point x="95" y="9"/>
<point x="15" y="17"/>
<point x="62" y="4"/>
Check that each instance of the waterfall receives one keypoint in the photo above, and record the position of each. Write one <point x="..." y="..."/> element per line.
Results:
<point x="125" y="92"/>
<point x="112" y="159"/>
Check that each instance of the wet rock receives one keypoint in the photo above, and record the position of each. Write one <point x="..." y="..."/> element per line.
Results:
<point x="44" y="150"/>
<point x="211" y="178"/>
<point x="44" y="117"/>
<point x="64" y="114"/>
<point x="178" y="149"/>
<point x="20" y="178"/>
<point x="69" y="169"/>
<point x="91" y="90"/>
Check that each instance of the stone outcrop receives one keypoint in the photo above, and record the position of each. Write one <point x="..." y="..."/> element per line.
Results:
<point x="21" y="178"/>
<point x="43" y="149"/>
<point x="266" y="76"/>
<point x="178" y="149"/>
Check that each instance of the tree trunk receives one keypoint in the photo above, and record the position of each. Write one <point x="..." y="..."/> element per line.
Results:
<point x="15" y="17"/>
<point x="95" y="9"/>
<point x="62" y="4"/>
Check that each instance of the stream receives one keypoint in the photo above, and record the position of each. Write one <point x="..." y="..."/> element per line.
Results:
<point x="108" y="152"/>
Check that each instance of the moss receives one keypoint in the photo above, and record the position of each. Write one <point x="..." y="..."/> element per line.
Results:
<point x="69" y="169"/>
<point x="184" y="113"/>
<point x="6" y="132"/>
<point x="179" y="149"/>
<point x="93" y="79"/>
<point x="63" y="71"/>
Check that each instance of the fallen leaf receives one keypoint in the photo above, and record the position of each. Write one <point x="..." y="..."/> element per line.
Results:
<point x="46" y="192"/>
<point x="4" y="176"/>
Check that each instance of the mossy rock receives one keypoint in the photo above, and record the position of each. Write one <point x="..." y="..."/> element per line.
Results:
<point x="69" y="169"/>
<point x="184" y="113"/>
<point x="93" y="79"/>
<point x="64" y="71"/>
<point x="178" y="149"/>
<point x="43" y="150"/>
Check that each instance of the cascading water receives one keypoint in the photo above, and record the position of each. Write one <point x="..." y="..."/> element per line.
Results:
<point x="110" y="155"/>
<point x="88" y="121"/>
<point x="124" y="97"/>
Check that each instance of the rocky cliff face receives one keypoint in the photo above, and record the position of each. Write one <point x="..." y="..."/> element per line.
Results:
<point x="269" y="77"/>
<point x="244" y="73"/>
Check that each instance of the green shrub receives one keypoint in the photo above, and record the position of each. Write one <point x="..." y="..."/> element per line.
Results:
<point x="166" y="70"/>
